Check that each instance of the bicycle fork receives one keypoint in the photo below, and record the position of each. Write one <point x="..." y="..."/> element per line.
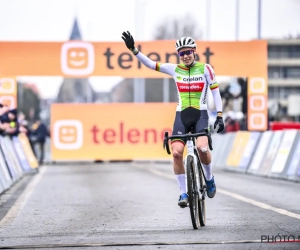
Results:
<point x="190" y="151"/>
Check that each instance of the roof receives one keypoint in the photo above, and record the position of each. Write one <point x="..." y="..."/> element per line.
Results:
<point x="75" y="34"/>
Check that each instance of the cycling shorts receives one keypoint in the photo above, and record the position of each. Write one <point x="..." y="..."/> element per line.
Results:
<point x="198" y="123"/>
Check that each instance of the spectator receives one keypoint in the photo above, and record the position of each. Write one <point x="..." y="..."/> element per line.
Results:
<point x="40" y="134"/>
<point x="243" y="94"/>
<point x="9" y="124"/>
<point x="231" y="124"/>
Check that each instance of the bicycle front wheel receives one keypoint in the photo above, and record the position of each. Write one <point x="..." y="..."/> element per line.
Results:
<point x="202" y="211"/>
<point x="192" y="192"/>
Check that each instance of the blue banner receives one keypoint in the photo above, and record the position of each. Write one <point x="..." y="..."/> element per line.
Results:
<point x="20" y="154"/>
<point x="295" y="162"/>
<point x="5" y="177"/>
<point x="8" y="160"/>
<point x="249" y="150"/>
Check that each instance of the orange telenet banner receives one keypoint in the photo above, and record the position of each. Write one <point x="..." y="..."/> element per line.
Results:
<point x="8" y="91"/>
<point x="110" y="131"/>
<point x="257" y="104"/>
<point x="82" y="59"/>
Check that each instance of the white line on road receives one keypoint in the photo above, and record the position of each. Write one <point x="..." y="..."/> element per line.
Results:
<point x="233" y="195"/>
<point x="21" y="201"/>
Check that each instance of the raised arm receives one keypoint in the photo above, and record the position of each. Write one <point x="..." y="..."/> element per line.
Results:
<point x="167" y="68"/>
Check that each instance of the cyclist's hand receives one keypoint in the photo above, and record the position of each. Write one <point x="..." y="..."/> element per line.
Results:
<point x="128" y="39"/>
<point x="219" y="121"/>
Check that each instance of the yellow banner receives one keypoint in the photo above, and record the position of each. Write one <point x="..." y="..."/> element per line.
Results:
<point x="238" y="148"/>
<point x="28" y="151"/>
<point x="118" y="131"/>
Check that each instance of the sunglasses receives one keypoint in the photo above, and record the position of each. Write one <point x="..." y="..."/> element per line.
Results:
<point x="186" y="52"/>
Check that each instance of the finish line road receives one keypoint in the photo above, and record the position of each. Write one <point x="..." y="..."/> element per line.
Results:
<point x="134" y="205"/>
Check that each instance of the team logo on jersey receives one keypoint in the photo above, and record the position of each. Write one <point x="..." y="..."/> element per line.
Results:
<point x="193" y="87"/>
<point x="191" y="79"/>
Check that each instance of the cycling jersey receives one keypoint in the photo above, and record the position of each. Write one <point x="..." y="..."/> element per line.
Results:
<point x="192" y="82"/>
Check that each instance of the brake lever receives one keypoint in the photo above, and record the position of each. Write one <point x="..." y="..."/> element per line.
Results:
<point x="166" y="143"/>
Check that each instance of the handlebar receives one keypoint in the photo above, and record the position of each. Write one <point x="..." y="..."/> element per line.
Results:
<point x="186" y="136"/>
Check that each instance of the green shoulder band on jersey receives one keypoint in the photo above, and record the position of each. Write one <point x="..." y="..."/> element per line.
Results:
<point x="196" y="69"/>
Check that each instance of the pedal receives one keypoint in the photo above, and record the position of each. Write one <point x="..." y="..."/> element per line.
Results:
<point x="183" y="206"/>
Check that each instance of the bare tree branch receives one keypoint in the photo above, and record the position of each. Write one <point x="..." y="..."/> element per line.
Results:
<point x="175" y="28"/>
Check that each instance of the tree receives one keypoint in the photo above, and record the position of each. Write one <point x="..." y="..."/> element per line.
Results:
<point x="174" y="28"/>
<point x="28" y="102"/>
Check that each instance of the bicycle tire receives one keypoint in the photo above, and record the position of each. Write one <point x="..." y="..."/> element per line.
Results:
<point x="202" y="205"/>
<point x="192" y="192"/>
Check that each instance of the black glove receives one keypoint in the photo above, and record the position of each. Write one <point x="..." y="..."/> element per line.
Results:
<point x="219" y="121"/>
<point x="128" y="39"/>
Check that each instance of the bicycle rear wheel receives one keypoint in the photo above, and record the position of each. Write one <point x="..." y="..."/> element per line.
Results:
<point x="202" y="207"/>
<point x="192" y="192"/>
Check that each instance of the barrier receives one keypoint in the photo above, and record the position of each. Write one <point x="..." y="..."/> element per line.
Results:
<point x="294" y="163"/>
<point x="7" y="158"/>
<point x="13" y="155"/>
<point x="5" y="177"/>
<point x="224" y="143"/>
<point x="13" y="161"/>
<point x="237" y="151"/>
<point x="21" y="155"/>
<point x="271" y="153"/>
<point x="216" y="142"/>
<point x="28" y="151"/>
<point x="1" y="187"/>
<point x="283" y="153"/>
<point x="260" y="152"/>
<point x="284" y="125"/>
<point x="249" y="150"/>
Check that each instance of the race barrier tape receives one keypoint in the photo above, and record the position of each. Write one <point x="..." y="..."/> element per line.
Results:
<point x="16" y="160"/>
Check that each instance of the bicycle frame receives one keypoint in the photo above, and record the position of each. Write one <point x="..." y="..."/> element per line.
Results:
<point x="191" y="148"/>
<point x="193" y="176"/>
<point x="191" y="151"/>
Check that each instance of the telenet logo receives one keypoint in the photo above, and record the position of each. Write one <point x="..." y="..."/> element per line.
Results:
<point x="8" y="101"/>
<point x="7" y="85"/>
<point x="257" y="85"/>
<point x="77" y="58"/>
<point x="68" y="134"/>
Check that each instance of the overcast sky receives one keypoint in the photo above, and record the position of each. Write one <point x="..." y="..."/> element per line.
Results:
<point x="102" y="20"/>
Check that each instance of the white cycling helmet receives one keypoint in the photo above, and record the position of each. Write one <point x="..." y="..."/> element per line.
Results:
<point x="185" y="42"/>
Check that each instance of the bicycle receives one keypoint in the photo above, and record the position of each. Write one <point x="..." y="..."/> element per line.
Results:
<point x="194" y="175"/>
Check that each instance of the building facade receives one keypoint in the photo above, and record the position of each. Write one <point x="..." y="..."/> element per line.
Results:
<point x="283" y="76"/>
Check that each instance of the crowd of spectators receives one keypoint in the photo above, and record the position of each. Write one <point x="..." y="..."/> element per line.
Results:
<point x="13" y="122"/>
